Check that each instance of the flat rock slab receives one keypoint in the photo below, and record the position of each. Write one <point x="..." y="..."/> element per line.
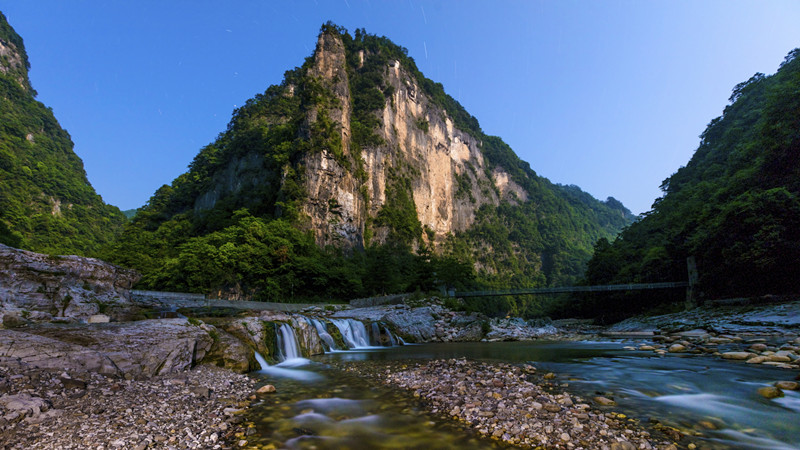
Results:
<point x="134" y="349"/>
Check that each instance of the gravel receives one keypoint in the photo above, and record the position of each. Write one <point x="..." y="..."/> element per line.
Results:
<point x="52" y="409"/>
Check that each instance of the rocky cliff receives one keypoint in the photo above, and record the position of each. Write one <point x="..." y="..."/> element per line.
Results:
<point x="358" y="148"/>
<point x="42" y="287"/>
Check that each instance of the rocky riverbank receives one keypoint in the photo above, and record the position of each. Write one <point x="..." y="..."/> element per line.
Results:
<point x="514" y="404"/>
<point x="57" y="409"/>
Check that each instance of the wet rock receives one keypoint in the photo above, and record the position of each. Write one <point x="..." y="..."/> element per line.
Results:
<point x="604" y="401"/>
<point x="758" y="347"/>
<point x="770" y="392"/>
<point x="787" y="385"/>
<point x="677" y="348"/>
<point x="738" y="355"/>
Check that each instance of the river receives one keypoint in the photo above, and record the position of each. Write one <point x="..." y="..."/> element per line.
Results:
<point x="318" y="406"/>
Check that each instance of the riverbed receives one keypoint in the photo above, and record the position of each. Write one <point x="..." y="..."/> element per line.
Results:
<point x="713" y="403"/>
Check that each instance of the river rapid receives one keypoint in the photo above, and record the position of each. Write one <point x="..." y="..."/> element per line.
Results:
<point x="712" y="401"/>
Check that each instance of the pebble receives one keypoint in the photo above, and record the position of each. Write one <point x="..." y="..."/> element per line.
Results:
<point x="523" y="408"/>
<point x="182" y="410"/>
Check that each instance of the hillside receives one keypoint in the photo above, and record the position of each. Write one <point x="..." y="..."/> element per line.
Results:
<point x="46" y="202"/>
<point x="735" y="207"/>
<point x="357" y="175"/>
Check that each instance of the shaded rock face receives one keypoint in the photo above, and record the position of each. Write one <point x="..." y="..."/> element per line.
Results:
<point x="139" y="349"/>
<point x="40" y="287"/>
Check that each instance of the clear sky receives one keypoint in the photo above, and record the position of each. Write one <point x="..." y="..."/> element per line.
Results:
<point x="608" y="95"/>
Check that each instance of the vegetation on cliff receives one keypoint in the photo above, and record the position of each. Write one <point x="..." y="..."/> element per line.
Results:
<point x="46" y="202"/>
<point x="246" y="232"/>
<point x="735" y="207"/>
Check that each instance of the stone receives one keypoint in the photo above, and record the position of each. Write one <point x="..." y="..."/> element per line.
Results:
<point x="71" y="383"/>
<point x="201" y="391"/>
<point x="24" y="404"/>
<point x="140" y="349"/>
<point x="604" y="401"/>
<point x="62" y="286"/>
<point x="770" y="392"/>
<point x="677" y="348"/>
<point x="98" y="318"/>
<point x="738" y="356"/>
<point x="758" y="347"/>
<point x="787" y="385"/>
<point x="266" y="389"/>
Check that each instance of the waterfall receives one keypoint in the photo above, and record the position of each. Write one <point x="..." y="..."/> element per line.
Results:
<point x="287" y="343"/>
<point x="326" y="338"/>
<point x="353" y="332"/>
<point x="376" y="334"/>
<point x="391" y="337"/>
<point x="261" y="361"/>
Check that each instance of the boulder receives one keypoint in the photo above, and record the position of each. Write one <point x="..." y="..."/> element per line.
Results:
<point x="138" y="349"/>
<point x="770" y="392"/>
<point x="38" y="287"/>
<point x="228" y="351"/>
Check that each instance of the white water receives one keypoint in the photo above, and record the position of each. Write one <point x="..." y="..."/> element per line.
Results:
<point x="286" y="369"/>
<point x="323" y="334"/>
<point x="287" y="343"/>
<point x="354" y="332"/>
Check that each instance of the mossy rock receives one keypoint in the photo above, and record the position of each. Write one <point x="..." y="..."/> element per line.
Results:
<point x="333" y="330"/>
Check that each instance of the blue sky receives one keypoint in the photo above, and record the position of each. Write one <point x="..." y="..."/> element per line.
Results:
<point x="608" y="95"/>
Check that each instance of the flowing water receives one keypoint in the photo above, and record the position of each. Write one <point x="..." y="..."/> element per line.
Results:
<point x="319" y="407"/>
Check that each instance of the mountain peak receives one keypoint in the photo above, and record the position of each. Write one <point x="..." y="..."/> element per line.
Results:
<point x="13" y="58"/>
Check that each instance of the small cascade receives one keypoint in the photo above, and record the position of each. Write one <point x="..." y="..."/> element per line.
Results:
<point x="354" y="332"/>
<point x="375" y="338"/>
<point x="392" y="341"/>
<point x="261" y="361"/>
<point x="287" y="343"/>
<point x="326" y="338"/>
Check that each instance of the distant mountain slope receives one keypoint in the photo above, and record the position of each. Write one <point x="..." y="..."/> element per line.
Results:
<point x="357" y="152"/>
<point x="46" y="202"/>
<point x="735" y="207"/>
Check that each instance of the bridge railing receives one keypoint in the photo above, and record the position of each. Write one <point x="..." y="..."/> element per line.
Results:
<point x="571" y="289"/>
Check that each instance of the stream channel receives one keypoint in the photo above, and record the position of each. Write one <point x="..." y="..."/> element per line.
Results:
<point x="317" y="406"/>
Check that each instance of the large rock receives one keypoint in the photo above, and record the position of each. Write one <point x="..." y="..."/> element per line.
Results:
<point x="39" y="287"/>
<point x="228" y="351"/>
<point x="49" y="353"/>
<point x="132" y="349"/>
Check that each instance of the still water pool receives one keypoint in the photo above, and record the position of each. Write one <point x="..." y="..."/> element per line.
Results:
<point x="321" y="407"/>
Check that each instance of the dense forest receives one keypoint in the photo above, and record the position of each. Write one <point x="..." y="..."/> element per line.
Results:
<point x="253" y="241"/>
<point x="734" y="208"/>
<point x="46" y="202"/>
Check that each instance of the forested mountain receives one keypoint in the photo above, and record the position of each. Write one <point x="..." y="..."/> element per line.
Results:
<point x="355" y="176"/>
<point x="46" y="202"/>
<point x="735" y="207"/>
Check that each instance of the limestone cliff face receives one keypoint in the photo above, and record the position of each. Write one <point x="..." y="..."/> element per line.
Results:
<point x="40" y="287"/>
<point x="13" y="58"/>
<point x="448" y="173"/>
